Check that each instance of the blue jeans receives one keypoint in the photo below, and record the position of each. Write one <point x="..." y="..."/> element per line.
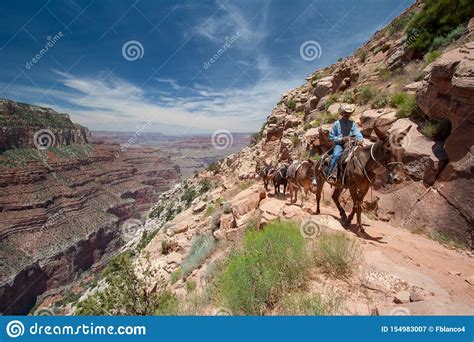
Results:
<point x="336" y="153"/>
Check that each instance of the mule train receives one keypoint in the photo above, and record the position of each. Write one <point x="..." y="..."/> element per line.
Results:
<point x="356" y="171"/>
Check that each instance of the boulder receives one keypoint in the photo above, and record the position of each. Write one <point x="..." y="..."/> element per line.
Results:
<point x="247" y="201"/>
<point x="311" y="105"/>
<point x="402" y="297"/>
<point x="228" y="221"/>
<point x="323" y="86"/>
<point x="415" y="297"/>
<point x="413" y="87"/>
<point x="383" y="117"/>
<point x="273" y="132"/>
<point x="199" y="207"/>
<point x="292" y="121"/>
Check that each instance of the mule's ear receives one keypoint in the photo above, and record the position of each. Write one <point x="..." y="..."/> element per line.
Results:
<point x="405" y="131"/>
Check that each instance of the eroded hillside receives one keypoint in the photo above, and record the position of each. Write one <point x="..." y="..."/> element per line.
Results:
<point x="210" y="232"/>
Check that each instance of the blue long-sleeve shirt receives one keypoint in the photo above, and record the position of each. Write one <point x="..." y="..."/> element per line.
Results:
<point x="343" y="128"/>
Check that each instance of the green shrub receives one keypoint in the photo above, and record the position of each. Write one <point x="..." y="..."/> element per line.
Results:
<point x="213" y="167"/>
<point x="295" y="139"/>
<point x="380" y="100"/>
<point x="337" y="254"/>
<point x="146" y="238"/>
<point x="348" y="96"/>
<point x="405" y="103"/>
<point x="216" y="220"/>
<point x="437" y="18"/>
<point x="128" y="292"/>
<point x="190" y="286"/>
<point x="311" y="304"/>
<point x="385" y="74"/>
<point x="226" y="208"/>
<point x="440" y="41"/>
<point x="271" y="263"/>
<point x="430" y="57"/>
<point x="201" y="247"/>
<point x="429" y="129"/>
<point x="362" y="55"/>
<point x="189" y="195"/>
<point x="156" y="212"/>
<point x="366" y="95"/>
<point x="210" y="209"/>
<point x="205" y="185"/>
<point x="329" y="117"/>
<point x="246" y="184"/>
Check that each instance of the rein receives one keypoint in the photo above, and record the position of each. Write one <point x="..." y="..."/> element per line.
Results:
<point x="385" y="166"/>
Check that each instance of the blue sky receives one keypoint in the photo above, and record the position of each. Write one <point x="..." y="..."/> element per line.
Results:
<point x="85" y="68"/>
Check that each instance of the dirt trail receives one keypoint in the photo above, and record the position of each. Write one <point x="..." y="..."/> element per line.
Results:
<point x="395" y="260"/>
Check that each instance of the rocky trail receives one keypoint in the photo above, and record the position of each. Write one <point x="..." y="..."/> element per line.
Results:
<point x="401" y="272"/>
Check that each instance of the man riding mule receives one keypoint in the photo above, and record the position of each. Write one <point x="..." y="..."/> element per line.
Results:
<point x="365" y="163"/>
<point x="341" y="133"/>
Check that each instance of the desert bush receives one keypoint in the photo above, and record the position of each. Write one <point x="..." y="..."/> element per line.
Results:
<point x="329" y="117"/>
<point x="365" y="96"/>
<point x="190" y="286"/>
<point x="380" y="100"/>
<point x="429" y="129"/>
<point x="405" y="103"/>
<point x="201" y="247"/>
<point x="226" y="208"/>
<point x="295" y="139"/>
<point x="311" y="304"/>
<point x="362" y="55"/>
<point x="213" y="167"/>
<point x="337" y="254"/>
<point x="216" y="220"/>
<point x="271" y="263"/>
<point x="246" y="184"/>
<point x="204" y="185"/>
<point x="430" y="57"/>
<point x="384" y="74"/>
<point x="189" y="195"/>
<point x="437" y="19"/>
<point x="127" y="291"/>
<point x="291" y="104"/>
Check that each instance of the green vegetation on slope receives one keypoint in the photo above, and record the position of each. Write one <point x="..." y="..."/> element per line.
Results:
<point x="437" y="21"/>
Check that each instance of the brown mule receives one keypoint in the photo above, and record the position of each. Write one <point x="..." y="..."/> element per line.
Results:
<point x="386" y="153"/>
<point x="299" y="179"/>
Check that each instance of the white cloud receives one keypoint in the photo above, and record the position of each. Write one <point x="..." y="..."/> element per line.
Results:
<point x="110" y="103"/>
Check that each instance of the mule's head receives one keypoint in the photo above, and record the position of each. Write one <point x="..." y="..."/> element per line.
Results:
<point x="393" y="151"/>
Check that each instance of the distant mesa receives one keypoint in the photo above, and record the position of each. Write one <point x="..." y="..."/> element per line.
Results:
<point x="24" y="125"/>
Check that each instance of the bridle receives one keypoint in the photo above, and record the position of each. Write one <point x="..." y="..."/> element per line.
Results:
<point x="377" y="162"/>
